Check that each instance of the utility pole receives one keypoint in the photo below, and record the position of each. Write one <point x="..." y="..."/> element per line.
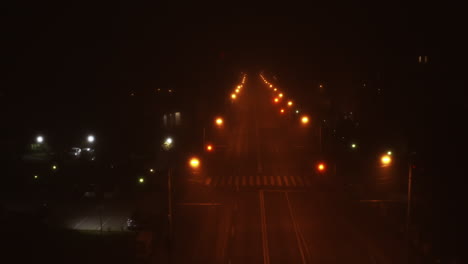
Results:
<point x="408" y="210"/>
<point x="408" y="206"/>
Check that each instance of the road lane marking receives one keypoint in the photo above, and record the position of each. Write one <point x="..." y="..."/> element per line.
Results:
<point x="279" y="180"/>
<point x="298" y="238"/>
<point x="293" y="181"/>
<point x="286" y="182"/>
<point x="266" y="254"/>
<point x="259" y="156"/>
<point x="284" y="190"/>
<point x="304" y="243"/>
<point x="201" y="204"/>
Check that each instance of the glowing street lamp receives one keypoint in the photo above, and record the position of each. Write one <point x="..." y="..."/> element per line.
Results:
<point x="36" y="177"/>
<point x="209" y="148"/>
<point x="233" y="96"/>
<point x="280" y="95"/>
<point x="219" y="121"/>
<point x="54" y="167"/>
<point x="305" y="120"/>
<point x="282" y="111"/>
<point x="276" y="100"/>
<point x="151" y="170"/>
<point x="168" y="143"/>
<point x="194" y="163"/>
<point x="90" y="139"/>
<point x="39" y="139"/>
<point x="290" y="103"/>
<point x="321" y="167"/>
<point x="353" y="145"/>
<point x="141" y="180"/>
<point x="389" y="153"/>
<point x="386" y="160"/>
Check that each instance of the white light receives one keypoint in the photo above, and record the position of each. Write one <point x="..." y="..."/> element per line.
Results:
<point x="169" y="141"/>
<point x="90" y="138"/>
<point x="39" y="139"/>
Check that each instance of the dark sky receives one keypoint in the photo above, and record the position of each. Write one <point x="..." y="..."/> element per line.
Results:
<point x="71" y="53"/>
<point x="59" y="41"/>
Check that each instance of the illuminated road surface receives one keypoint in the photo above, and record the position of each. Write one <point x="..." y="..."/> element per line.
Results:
<point x="258" y="199"/>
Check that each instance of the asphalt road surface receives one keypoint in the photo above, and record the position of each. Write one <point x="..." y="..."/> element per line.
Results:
<point x="256" y="198"/>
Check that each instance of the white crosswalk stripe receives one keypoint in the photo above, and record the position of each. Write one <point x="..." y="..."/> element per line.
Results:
<point x="239" y="181"/>
<point x="293" y="181"/>
<point x="286" y="182"/>
<point x="280" y="183"/>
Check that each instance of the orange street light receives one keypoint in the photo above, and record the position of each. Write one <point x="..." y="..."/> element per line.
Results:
<point x="321" y="167"/>
<point x="233" y="96"/>
<point x="386" y="160"/>
<point x="280" y="95"/>
<point x="271" y="86"/>
<point x="305" y="120"/>
<point x="282" y="111"/>
<point x="275" y="89"/>
<point x="290" y="103"/>
<point x="219" y="121"/>
<point x="194" y="163"/>
<point x="276" y="100"/>
<point x="209" y="147"/>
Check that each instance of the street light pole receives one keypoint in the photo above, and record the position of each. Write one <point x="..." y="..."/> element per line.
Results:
<point x="408" y="211"/>
<point x="408" y="206"/>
